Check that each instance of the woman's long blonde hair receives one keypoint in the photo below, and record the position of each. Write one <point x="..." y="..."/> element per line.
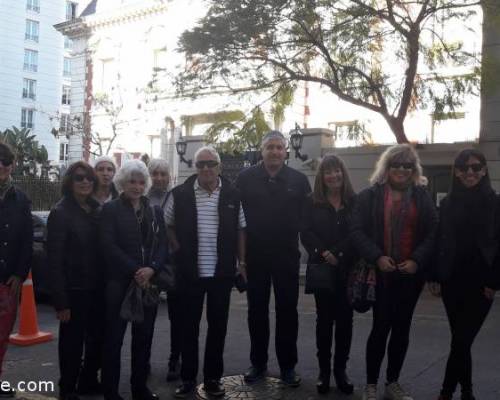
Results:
<point x="396" y="153"/>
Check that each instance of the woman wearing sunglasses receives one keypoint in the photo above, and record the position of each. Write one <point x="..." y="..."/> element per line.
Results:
<point x="468" y="263"/>
<point x="71" y="248"/>
<point x="393" y="228"/>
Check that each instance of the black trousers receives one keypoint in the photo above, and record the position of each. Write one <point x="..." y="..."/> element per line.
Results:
<point x="94" y="338"/>
<point x="72" y="339"/>
<point x="218" y="293"/>
<point x="333" y="308"/>
<point x="397" y="296"/>
<point x="174" y="306"/>
<point x="284" y="277"/>
<point x="467" y="308"/>
<point x="115" y="331"/>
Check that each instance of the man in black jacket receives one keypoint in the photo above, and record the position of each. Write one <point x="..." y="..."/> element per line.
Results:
<point x="206" y="230"/>
<point x="16" y="244"/>
<point x="273" y="195"/>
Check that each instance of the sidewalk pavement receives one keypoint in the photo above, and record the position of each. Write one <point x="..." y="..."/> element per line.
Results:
<point x="421" y="375"/>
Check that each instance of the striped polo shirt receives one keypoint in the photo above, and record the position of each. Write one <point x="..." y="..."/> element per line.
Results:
<point x="207" y="209"/>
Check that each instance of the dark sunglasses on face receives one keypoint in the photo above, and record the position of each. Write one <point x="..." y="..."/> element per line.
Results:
<point x="404" y="165"/>
<point x="476" y="167"/>
<point x="207" y="163"/>
<point x="81" y="178"/>
<point x="6" y="163"/>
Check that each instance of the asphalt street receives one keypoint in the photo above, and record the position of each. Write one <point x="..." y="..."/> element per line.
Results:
<point x="422" y="373"/>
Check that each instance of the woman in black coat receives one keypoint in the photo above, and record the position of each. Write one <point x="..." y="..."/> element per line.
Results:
<point x="134" y="241"/>
<point x="325" y="235"/>
<point x="72" y="243"/>
<point x="393" y="228"/>
<point x="468" y="263"/>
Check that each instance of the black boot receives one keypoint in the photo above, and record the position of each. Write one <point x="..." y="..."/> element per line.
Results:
<point x="323" y="383"/>
<point x="343" y="382"/>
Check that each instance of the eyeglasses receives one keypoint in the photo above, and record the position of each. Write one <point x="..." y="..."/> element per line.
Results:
<point x="207" y="163"/>
<point x="476" y="167"/>
<point x="6" y="163"/>
<point x="404" y="165"/>
<point x="81" y="178"/>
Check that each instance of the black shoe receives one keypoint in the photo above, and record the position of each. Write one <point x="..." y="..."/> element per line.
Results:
<point x="144" y="394"/>
<point x="290" y="378"/>
<point x="69" y="396"/>
<point x="323" y="383"/>
<point x="467" y="395"/>
<point x="214" y="387"/>
<point x="7" y="392"/>
<point x="185" y="390"/>
<point x="114" y="396"/>
<point x="343" y="382"/>
<point x="89" y="387"/>
<point x="255" y="374"/>
<point x="174" y="371"/>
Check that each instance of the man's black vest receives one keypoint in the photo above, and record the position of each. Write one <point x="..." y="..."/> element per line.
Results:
<point x="186" y="228"/>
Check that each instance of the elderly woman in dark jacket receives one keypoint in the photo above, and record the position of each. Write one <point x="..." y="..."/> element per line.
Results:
<point x="468" y="263"/>
<point x="72" y="244"/>
<point x="325" y="235"/>
<point x="134" y="241"/>
<point x="393" y="227"/>
<point x="16" y="233"/>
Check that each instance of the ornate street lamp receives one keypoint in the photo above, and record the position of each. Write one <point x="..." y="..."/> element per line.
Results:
<point x="296" y="139"/>
<point x="180" y="147"/>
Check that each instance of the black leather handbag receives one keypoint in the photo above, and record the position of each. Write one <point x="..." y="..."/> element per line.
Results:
<point x="320" y="277"/>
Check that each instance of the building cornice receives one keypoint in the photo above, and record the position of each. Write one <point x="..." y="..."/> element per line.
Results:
<point x="73" y="28"/>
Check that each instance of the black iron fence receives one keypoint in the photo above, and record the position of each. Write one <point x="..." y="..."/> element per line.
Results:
<point x="43" y="192"/>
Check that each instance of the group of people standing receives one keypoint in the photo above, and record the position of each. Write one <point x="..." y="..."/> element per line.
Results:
<point x="117" y="228"/>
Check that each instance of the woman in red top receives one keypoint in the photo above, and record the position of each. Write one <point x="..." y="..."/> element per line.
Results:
<point x="393" y="227"/>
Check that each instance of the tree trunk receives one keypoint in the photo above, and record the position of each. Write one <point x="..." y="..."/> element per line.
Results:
<point x="398" y="128"/>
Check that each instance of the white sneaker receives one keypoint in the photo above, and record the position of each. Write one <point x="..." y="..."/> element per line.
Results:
<point x="370" y="392"/>
<point x="393" y="391"/>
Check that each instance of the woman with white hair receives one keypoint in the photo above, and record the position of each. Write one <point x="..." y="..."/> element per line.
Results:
<point x="134" y="240"/>
<point x="105" y="169"/>
<point x="393" y="228"/>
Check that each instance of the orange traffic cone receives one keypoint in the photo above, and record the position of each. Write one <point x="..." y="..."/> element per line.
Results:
<point x="28" y="322"/>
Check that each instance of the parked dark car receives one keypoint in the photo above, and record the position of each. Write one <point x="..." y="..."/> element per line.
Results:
<point x="39" y="267"/>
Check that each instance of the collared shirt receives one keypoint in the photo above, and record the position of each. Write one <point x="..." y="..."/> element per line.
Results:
<point x="207" y="212"/>
<point x="273" y="208"/>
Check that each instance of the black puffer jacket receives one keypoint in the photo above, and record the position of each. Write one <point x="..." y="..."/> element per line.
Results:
<point x="367" y="227"/>
<point x="484" y="236"/>
<point x="72" y="246"/>
<point x="16" y="235"/>
<point x="122" y="239"/>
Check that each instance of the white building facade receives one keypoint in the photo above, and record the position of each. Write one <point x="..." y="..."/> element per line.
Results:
<point x="35" y="73"/>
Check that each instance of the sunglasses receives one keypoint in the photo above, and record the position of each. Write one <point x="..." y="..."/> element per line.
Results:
<point x="81" y="178"/>
<point x="207" y="163"/>
<point x="404" y="165"/>
<point x="476" y="167"/>
<point x="6" y="163"/>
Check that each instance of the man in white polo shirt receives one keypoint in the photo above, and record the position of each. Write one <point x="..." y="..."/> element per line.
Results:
<point x="206" y="224"/>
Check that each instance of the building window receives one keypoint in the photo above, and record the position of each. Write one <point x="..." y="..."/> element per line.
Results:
<point x="71" y="8"/>
<point x="30" y="60"/>
<point x="67" y="66"/>
<point x="29" y="89"/>
<point x="66" y="95"/>
<point x="33" y="5"/>
<point x="68" y="43"/>
<point x="64" y="124"/>
<point x="159" y="59"/>
<point x="32" y="30"/>
<point x="63" y="152"/>
<point x="27" y="118"/>
<point x="108" y="75"/>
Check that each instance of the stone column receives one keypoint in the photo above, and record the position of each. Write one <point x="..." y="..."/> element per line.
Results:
<point x="489" y="137"/>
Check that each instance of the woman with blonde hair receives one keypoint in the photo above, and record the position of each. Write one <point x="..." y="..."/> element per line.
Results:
<point x="393" y="228"/>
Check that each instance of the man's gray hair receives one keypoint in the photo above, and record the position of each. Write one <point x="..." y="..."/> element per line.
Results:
<point x="158" y="164"/>
<point x="129" y="168"/>
<point x="273" y="135"/>
<point x="208" y="149"/>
